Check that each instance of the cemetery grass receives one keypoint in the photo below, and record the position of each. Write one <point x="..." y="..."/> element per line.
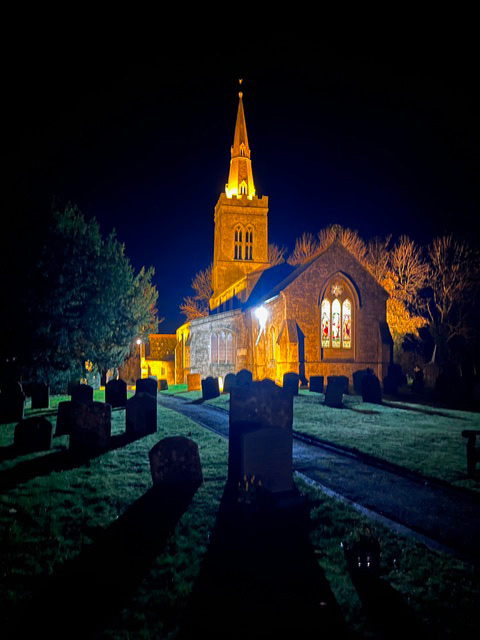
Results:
<point x="48" y="520"/>
<point x="424" y="439"/>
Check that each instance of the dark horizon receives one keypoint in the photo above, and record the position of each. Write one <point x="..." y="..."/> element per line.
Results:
<point x="383" y="145"/>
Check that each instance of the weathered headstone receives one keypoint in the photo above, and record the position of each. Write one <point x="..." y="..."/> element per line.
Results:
<point x="162" y="385"/>
<point x="335" y="391"/>
<point x="260" y="435"/>
<point x="431" y="371"/>
<point x="316" y="384"/>
<point x="244" y="378"/>
<point x="40" y="395"/>
<point x="291" y="381"/>
<point x="33" y="434"/>
<point x="82" y="393"/>
<point x="141" y="415"/>
<point x="91" y="426"/>
<point x="147" y="385"/>
<point x="175" y="462"/>
<point x="357" y="380"/>
<point x="12" y="402"/>
<point x="64" y="423"/>
<point x="210" y="388"/>
<point x="229" y="382"/>
<point x="194" y="381"/>
<point x="116" y="393"/>
<point x="343" y="380"/>
<point x="371" y="391"/>
<point x="418" y="383"/>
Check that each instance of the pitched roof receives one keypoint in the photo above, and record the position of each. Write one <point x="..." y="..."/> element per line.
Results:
<point x="161" y="346"/>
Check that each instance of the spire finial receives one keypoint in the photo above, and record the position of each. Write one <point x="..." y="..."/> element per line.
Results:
<point x="240" y="94"/>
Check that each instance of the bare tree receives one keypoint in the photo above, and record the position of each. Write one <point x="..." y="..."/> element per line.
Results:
<point x="276" y="254"/>
<point x="197" y="306"/>
<point x="410" y="270"/>
<point x="305" y="247"/>
<point x="453" y="278"/>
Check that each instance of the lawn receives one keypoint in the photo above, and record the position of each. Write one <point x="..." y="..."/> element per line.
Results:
<point x="47" y="520"/>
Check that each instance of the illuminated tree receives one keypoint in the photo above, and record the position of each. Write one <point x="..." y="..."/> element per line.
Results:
<point x="276" y="254"/>
<point x="197" y="306"/>
<point x="305" y="247"/>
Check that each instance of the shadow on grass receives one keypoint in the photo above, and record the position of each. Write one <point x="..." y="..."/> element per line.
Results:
<point x="79" y="602"/>
<point x="53" y="461"/>
<point x="260" y="578"/>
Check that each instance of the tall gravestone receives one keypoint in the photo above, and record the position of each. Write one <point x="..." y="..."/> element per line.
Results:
<point x="64" y="423"/>
<point x="40" y="395"/>
<point x="175" y="462"/>
<point x="244" y="377"/>
<point x="316" y="384"/>
<point x="210" y="388"/>
<point x="141" y="415"/>
<point x="194" y="382"/>
<point x="116" y="393"/>
<point x="371" y="391"/>
<point x="260" y="436"/>
<point x="81" y="393"/>
<point x="335" y="391"/>
<point x="91" y="427"/>
<point x="291" y="381"/>
<point x="147" y="385"/>
<point x="357" y="377"/>
<point x="162" y="385"/>
<point x="229" y="382"/>
<point x="12" y="402"/>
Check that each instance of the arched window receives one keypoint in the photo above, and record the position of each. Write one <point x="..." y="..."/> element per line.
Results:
<point x="243" y="188"/>
<point x="336" y="318"/>
<point x="238" y="243"/>
<point x="222" y="347"/>
<point x="249" y="244"/>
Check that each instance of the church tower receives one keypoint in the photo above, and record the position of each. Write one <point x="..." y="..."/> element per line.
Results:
<point x="241" y="222"/>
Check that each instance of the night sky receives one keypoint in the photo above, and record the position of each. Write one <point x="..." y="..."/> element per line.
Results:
<point x="384" y="143"/>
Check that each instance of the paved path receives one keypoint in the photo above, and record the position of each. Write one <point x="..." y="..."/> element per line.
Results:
<point x="443" y="517"/>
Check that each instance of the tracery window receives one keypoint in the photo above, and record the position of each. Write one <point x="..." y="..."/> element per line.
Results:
<point x="222" y="347"/>
<point x="249" y="244"/>
<point x="238" y="243"/>
<point x="336" y="323"/>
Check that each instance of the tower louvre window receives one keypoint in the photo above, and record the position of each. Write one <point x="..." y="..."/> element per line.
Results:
<point x="238" y="253"/>
<point x="249" y="244"/>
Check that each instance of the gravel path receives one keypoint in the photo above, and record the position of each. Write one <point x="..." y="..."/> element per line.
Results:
<point x="444" y="518"/>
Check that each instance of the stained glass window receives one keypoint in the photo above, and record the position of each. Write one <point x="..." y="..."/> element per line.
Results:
<point x="214" y="344"/>
<point x="346" y="324"/>
<point x="325" y="323"/>
<point x="336" y="323"/>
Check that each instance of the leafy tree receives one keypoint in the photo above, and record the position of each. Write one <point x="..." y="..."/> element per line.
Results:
<point x="198" y="305"/>
<point x="84" y="301"/>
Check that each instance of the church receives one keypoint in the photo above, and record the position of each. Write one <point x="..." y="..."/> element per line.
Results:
<point x="324" y="317"/>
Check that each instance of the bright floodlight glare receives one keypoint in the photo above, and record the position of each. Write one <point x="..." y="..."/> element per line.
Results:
<point x="139" y="341"/>
<point x="261" y="314"/>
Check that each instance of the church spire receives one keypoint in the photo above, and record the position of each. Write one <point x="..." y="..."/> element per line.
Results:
<point x="240" y="177"/>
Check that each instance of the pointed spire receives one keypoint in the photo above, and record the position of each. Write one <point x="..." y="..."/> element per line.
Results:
<point x="240" y="177"/>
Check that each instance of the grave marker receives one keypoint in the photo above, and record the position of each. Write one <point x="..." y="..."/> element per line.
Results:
<point x="91" y="426"/>
<point x="141" y="415"/>
<point x="316" y="384"/>
<point x="147" y="385"/>
<point x="116" y="393"/>
<point x="291" y="381"/>
<point x="175" y="462"/>
<point x="33" y="434"/>
<point x="194" y="382"/>
<point x="210" y="388"/>
<point x="335" y="391"/>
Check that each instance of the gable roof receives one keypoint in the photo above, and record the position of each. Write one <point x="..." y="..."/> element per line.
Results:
<point x="270" y="285"/>
<point x="161" y="346"/>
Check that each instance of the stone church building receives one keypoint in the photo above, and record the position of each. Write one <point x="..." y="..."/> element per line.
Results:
<point x="324" y="317"/>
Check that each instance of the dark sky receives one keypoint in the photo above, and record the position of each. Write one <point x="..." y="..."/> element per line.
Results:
<point x="382" y="143"/>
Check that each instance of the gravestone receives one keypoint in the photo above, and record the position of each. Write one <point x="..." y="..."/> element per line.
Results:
<point x="141" y="415"/>
<point x="194" y="381"/>
<point x="394" y="379"/>
<point x="33" y="434"/>
<point x="91" y="426"/>
<point x="147" y="385"/>
<point x="210" y="388"/>
<point x="335" y="391"/>
<point x="244" y="378"/>
<point x="40" y="393"/>
<point x="64" y="423"/>
<point x="116" y="393"/>
<point x="316" y="384"/>
<point x="343" y="380"/>
<point x="371" y="391"/>
<point x="260" y="436"/>
<point x="431" y="371"/>
<point x="357" y="380"/>
<point x="291" y="381"/>
<point x="81" y="393"/>
<point x="230" y="381"/>
<point x="12" y="402"/>
<point x="162" y="385"/>
<point x="175" y="462"/>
